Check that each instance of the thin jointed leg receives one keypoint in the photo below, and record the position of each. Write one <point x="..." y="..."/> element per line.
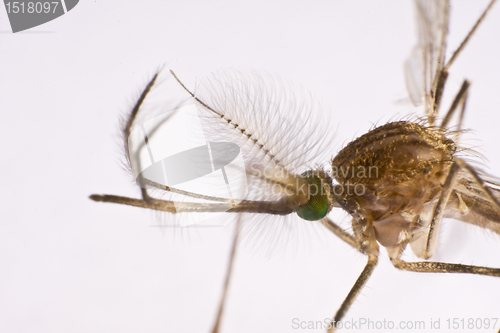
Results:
<point x="469" y="35"/>
<point x="443" y="267"/>
<point x="363" y="277"/>
<point x="464" y="165"/>
<point x="437" y="215"/>
<point x="461" y="97"/>
<point x="443" y="201"/>
<point x="437" y="267"/>
<point x="341" y="233"/>
<point x="355" y="290"/>
<point x="229" y="271"/>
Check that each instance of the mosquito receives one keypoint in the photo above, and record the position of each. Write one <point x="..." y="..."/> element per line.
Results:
<point x="397" y="182"/>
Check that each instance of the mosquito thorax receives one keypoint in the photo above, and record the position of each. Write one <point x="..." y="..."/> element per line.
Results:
<point x="387" y="175"/>
<point x="318" y="205"/>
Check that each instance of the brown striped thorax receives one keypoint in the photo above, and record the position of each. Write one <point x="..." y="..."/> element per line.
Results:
<point x="400" y="167"/>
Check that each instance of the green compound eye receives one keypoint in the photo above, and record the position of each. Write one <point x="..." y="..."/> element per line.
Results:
<point x="317" y="206"/>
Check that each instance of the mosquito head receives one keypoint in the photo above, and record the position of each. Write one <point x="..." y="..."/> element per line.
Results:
<point x="318" y="205"/>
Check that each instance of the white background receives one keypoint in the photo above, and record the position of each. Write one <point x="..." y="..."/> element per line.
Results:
<point x="68" y="264"/>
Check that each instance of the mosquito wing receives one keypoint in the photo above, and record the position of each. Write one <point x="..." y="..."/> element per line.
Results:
<point x="426" y="60"/>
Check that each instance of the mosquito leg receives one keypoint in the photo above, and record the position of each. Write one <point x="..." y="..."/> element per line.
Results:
<point x="341" y="233"/>
<point x="229" y="272"/>
<point x="469" y="35"/>
<point x="437" y="215"/>
<point x="355" y="290"/>
<point x="443" y="267"/>
<point x="461" y="97"/>
<point x="436" y="267"/>
<point x="458" y="164"/>
<point x="462" y="112"/>
<point x="443" y="76"/>
<point x="441" y="79"/>
<point x="365" y="237"/>
<point x="464" y="165"/>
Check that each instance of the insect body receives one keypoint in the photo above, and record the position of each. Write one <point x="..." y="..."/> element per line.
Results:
<point x="410" y="163"/>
